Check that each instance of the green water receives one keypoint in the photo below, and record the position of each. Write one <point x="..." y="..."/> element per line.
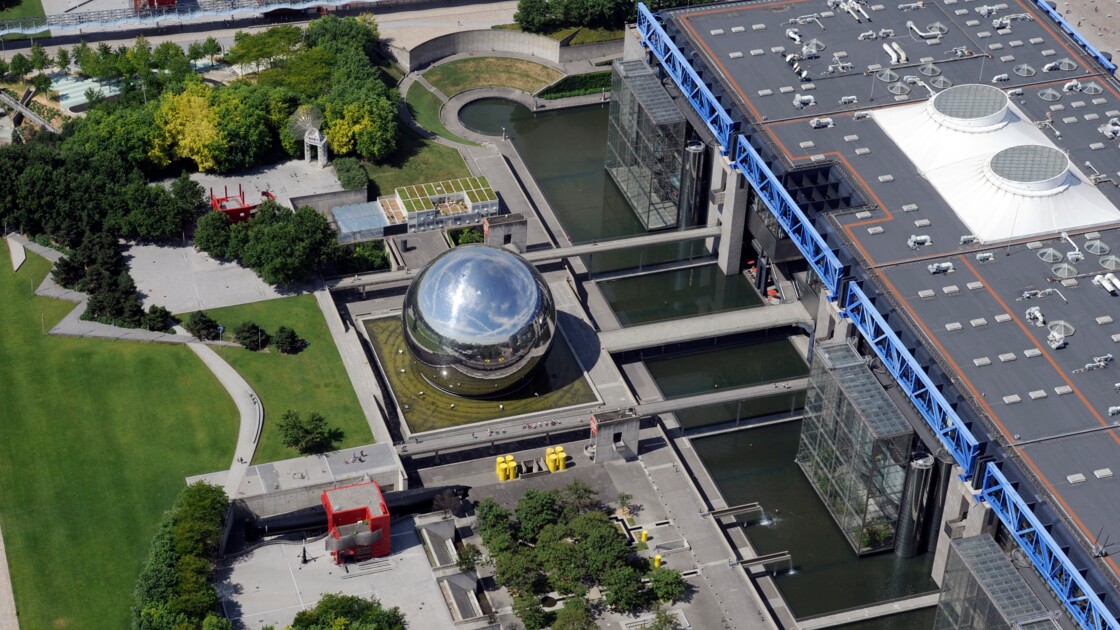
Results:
<point x="565" y="151"/>
<point x="723" y="413"/>
<point x="678" y="293"/>
<point x="757" y="465"/>
<point x="727" y="367"/>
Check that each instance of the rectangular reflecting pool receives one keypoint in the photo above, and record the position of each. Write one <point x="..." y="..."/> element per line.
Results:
<point x="727" y="367"/>
<point x="729" y="412"/>
<point x="678" y="293"/>
<point x="757" y="465"/>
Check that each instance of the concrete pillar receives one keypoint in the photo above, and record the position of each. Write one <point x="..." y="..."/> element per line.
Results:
<point x="733" y="224"/>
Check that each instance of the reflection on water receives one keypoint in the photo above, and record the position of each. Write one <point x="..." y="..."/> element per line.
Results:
<point x="727" y="367"/>
<point x="757" y="465"/>
<point x="678" y="293"/>
<point x="565" y="151"/>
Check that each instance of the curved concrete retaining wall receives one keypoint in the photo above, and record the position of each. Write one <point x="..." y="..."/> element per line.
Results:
<point x="548" y="50"/>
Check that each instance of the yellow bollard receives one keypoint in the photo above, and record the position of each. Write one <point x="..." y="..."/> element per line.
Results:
<point x="511" y="467"/>
<point x="561" y="458"/>
<point x="657" y="561"/>
<point x="551" y="461"/>
<point x="645" y="535"/>
<point x="502" y="471"/>
<point x="549" y="451"/>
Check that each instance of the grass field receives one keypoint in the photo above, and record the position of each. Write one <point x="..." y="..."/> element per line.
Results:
<point x="468" y="74"/>
<point x="96" y="438"/>
<point x="313" y="380"/>
<point x="417" y="161"/>
<point x="558" y="380"/>
<point x="425" y="107"/>
<point x="25" y="9"/>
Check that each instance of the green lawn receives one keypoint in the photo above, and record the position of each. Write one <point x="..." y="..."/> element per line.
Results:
<point x="468" y="74"/>
<point x="25" y="9"/>
<point x="313" y="380"/>
<point x="425" y="107"/>
<point x="417" y="161"/>
<point x="96" y="438"/>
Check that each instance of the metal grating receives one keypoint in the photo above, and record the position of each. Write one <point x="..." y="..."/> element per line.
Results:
<point x="864" y="391"/>
<point x="999" y="579"/>
<point x="643" y="82"/>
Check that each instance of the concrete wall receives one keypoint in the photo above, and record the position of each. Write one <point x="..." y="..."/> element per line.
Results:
<point x="482" y="42"/>
<point x="324" y="202"/>
<point x="499" y="42"/>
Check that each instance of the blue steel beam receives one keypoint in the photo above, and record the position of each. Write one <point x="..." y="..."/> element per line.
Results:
<point x="789" y="215"/>
<point x="675" y="64"/>
<point x="912" y="378"/>
<point x="1048" y="557"/>
<point x="1081" y="41"/>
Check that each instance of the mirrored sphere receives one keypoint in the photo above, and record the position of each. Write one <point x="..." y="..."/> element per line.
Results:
<point x="477" y="320"/>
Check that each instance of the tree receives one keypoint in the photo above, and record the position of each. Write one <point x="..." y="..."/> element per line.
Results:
<point x="187" y="127"/>
<point x="335" y="34"/>
<point x="42" y="83"/>
<point x="202" y="326"/>
<point x="447" y="501"/>
<point x="534" y="16"/>
<point x="62" y="60"/>
<point x="667" y="584"/>
<point x="577" y="498"/>
<point x="528" y="609"/>
<point x="624" y="589"/>
<point x="350" y="173"/>
<point x="576" y="615"/>
<point x="310" y="434"/>
<point x="518" y="571"/>
<point x="213" y="236"/>
<point x="195" y="51"/>
<point x="469" y="557"/>
<point x="338" y="611"/>
<point x="286" y="247"/>
<point x="492" y="518"/>
<point x="251" y="336"/>
<point x="470" y="235"/>
<point x="19" y="66"/>
<point x="211" y="48"/>
<point x="535" y="510"/>
<point x="288" y="342"/>
<point x="39" y="60"/>
<point x="662" y="621"/>
<point x="156" y="318"/>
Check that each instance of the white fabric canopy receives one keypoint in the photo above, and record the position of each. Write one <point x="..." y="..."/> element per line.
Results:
<point x="953" y="162"/>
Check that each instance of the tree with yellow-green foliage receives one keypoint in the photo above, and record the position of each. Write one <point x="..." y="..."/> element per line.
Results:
<point x="187" y="127"/>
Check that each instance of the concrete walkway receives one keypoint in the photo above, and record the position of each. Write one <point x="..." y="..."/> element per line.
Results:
<point x="870" y="612"/>
<point x="357" y="367"/>
<point x="249" y="408"/>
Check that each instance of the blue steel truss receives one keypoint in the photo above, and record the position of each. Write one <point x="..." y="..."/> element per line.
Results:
<point x="912" y="378"/>
<point x="789" y="215"/>
<point x="1047" y="556"/>
<point x="698" y="94"/>
<point x="1057" y="17"/>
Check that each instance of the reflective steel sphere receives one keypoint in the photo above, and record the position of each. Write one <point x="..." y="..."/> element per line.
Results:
<point x="477" y="320"/>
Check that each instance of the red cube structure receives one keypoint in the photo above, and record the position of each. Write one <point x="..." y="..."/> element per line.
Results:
<point x="235" y="207"/>
<point x="357" y="522"/>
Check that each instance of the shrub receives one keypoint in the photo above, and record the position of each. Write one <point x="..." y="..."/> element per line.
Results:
<point x="577" y="85"/>
<point x="251" y="336"/>
<point x="157" y="318"/>
<point x="469" y="557"/>
<point x="202" y="326"/>
<point x="288" y="342"/>
<point x="470" y="235"/>
<point x="350" y="173"/>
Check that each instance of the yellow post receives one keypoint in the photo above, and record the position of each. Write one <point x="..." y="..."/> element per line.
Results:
<point x="502" y="471"/>
<point x="511" y="467"/>
<point x="657" y="561"/>
<point x="561" y="458"/>
<point x="645" y="535"/>
<point x="551" y="461"/>
<point x="549" y="451"/>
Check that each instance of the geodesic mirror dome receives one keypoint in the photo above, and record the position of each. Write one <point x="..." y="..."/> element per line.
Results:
<point x="477" y="320"/>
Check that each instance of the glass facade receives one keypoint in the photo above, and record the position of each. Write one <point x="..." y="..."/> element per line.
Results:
<point x="645" y="144"/>
<point x="854" y="448"/>
<point x="983" y="590"/>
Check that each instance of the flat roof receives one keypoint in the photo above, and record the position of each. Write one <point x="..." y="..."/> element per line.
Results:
<point x="360" y="495"/>
<point x="360" y="217"/>
<point x="1044" y="405"/>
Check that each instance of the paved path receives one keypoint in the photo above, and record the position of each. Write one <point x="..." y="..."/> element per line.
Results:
<point x="17" y="252"/>
<point x="8" y="616"/>
<point x="249" y="408"/>
<point x="357" y="367"/>
<point x="704" y="327"/>
<point x="870" y="612"/>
